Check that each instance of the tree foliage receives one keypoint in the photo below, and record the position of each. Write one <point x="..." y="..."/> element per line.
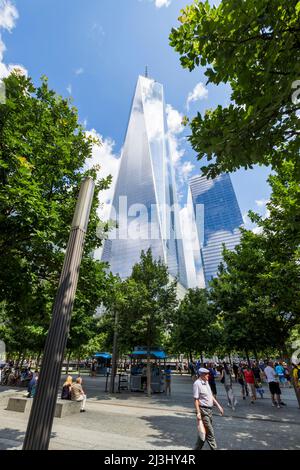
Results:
<point x="43" y="150"/>
<point x="254" y="47"/>
<point x="257" y="292"/>
<point x="194" y="330"/>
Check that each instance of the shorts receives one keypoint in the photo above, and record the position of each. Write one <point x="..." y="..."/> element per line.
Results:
<point x="274" y="388"/>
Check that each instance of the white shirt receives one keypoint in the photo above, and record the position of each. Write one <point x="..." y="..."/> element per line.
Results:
<point x="202" y="392"/>
<point x="270" y="374"/>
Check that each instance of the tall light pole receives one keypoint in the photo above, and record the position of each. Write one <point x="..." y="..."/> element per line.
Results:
<point x="43" y="408"/>
<point x="114" y="354"/>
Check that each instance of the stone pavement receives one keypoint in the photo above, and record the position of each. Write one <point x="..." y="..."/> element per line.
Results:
<point x="132" y="421"/>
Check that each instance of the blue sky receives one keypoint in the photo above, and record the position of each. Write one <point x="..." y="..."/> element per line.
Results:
<point x="94" y="51"/>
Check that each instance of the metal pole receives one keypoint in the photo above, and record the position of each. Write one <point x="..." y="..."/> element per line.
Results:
<point x="114" y="355"/>
<point x="43" y="408"/>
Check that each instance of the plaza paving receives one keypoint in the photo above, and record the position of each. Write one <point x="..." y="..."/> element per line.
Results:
<point x="132" y="421"/>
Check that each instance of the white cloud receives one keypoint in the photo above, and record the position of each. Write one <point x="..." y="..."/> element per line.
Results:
<point x="2" y="49"/>
<point x="261" y="202"/>
<point x="159" y="3"/>
<point x="69" y="89"/>
<point x="8" y="17"/>
<point x="79" y="71"/>
<point x="162" y="3"/>
<point x="174" y="120"/>
<point x="109" y="162"/>
<point x="186" y="170"/>
<point x="199" y="93"/>
<point x="262" y="210"/>
<point x="175" y="127"/>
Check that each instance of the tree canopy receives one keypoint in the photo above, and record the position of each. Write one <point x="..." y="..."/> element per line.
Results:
<point x="43" y="150"/>
<point x="254" y="46"/>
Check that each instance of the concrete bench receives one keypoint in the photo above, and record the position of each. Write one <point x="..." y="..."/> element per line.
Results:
<point x="63" y="407"/>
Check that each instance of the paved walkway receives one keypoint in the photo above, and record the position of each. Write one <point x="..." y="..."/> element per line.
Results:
<point x="132" y="421"/>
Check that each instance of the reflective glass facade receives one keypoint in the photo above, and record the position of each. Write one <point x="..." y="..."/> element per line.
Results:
<point x="218" y="218"/>
<point x="145" y="190"/>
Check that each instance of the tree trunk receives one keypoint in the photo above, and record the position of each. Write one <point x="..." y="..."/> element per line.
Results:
<point x="148" y="373"/>
<point x="68" y="363"/>
<point x="201" y="357"/>
<point x="114" y="355"/>
<point x="22" y="360"/>
<point x="37" y="365"/>
<point x="19" y="358"/>
<point x="255" y="355"/>
<point x="248" y="359"/>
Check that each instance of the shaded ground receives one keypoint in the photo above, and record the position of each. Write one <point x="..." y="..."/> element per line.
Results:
<point x="128" y="421"/>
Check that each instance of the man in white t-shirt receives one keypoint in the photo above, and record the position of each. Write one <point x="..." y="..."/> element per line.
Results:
<point x="204" y="402"/>
<point x="272" y="380"/>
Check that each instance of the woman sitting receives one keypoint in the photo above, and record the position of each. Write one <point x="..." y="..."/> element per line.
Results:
<point x="66" y="390"/>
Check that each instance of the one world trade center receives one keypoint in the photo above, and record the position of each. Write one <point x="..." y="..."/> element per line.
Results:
<point x="145" y="204"/>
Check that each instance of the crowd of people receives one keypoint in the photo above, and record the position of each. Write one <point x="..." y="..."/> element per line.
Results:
<point x="14" y="374"/>
<point x="251" y="378"/>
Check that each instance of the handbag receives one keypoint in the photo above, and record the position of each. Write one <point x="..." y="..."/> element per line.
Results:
<point x="201" y="430"/>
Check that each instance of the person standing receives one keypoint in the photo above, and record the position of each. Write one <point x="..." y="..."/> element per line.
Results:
<point x="273" y="384"/>
<point x="204" y="402"/>
<point x="241" y="381"/>
<point x="168" y="374"/>
<point x="212" y="379"/>
<point x="77" y="393"/>
<point x="94" y="367"/>
<point x="250" y="383"/>
<point x="256" y="371"/>
<point x="32" y="384"/>
<point x="235" y="369"/>
<point x="279" y="369"/>
<point x="226" y="380"/>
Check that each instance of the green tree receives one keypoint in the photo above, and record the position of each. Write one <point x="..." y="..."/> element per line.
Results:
<point x="146" y="304"/>
<point x="194" y="331"/>
<point x="43" y="150"/>
<point x="254" y="47"/>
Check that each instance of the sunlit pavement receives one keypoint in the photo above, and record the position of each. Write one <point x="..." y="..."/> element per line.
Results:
<point x="125" y="421"/>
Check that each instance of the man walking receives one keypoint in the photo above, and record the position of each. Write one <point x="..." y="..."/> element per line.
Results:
<point x="272" y="380"/>
<point x="204" y="402"/>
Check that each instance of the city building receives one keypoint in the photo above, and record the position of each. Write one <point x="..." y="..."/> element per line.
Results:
<point x="218" y="219"/>
<point x="145" y="204"/>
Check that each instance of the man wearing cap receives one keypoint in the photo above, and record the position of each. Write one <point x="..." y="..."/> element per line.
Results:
<point x="204" y="402"/>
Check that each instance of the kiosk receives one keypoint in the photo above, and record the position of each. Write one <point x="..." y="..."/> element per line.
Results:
<point x="138" y="377"/>
<point x="104" y="363"/>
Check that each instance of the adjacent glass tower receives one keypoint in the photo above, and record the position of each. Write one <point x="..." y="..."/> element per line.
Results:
<point x="145" y="200"/>
<point x="218" y="218"/>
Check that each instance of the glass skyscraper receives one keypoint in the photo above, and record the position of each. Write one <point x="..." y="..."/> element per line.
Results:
<point x="145" y="200"/>
<point x="218" y="218"/>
